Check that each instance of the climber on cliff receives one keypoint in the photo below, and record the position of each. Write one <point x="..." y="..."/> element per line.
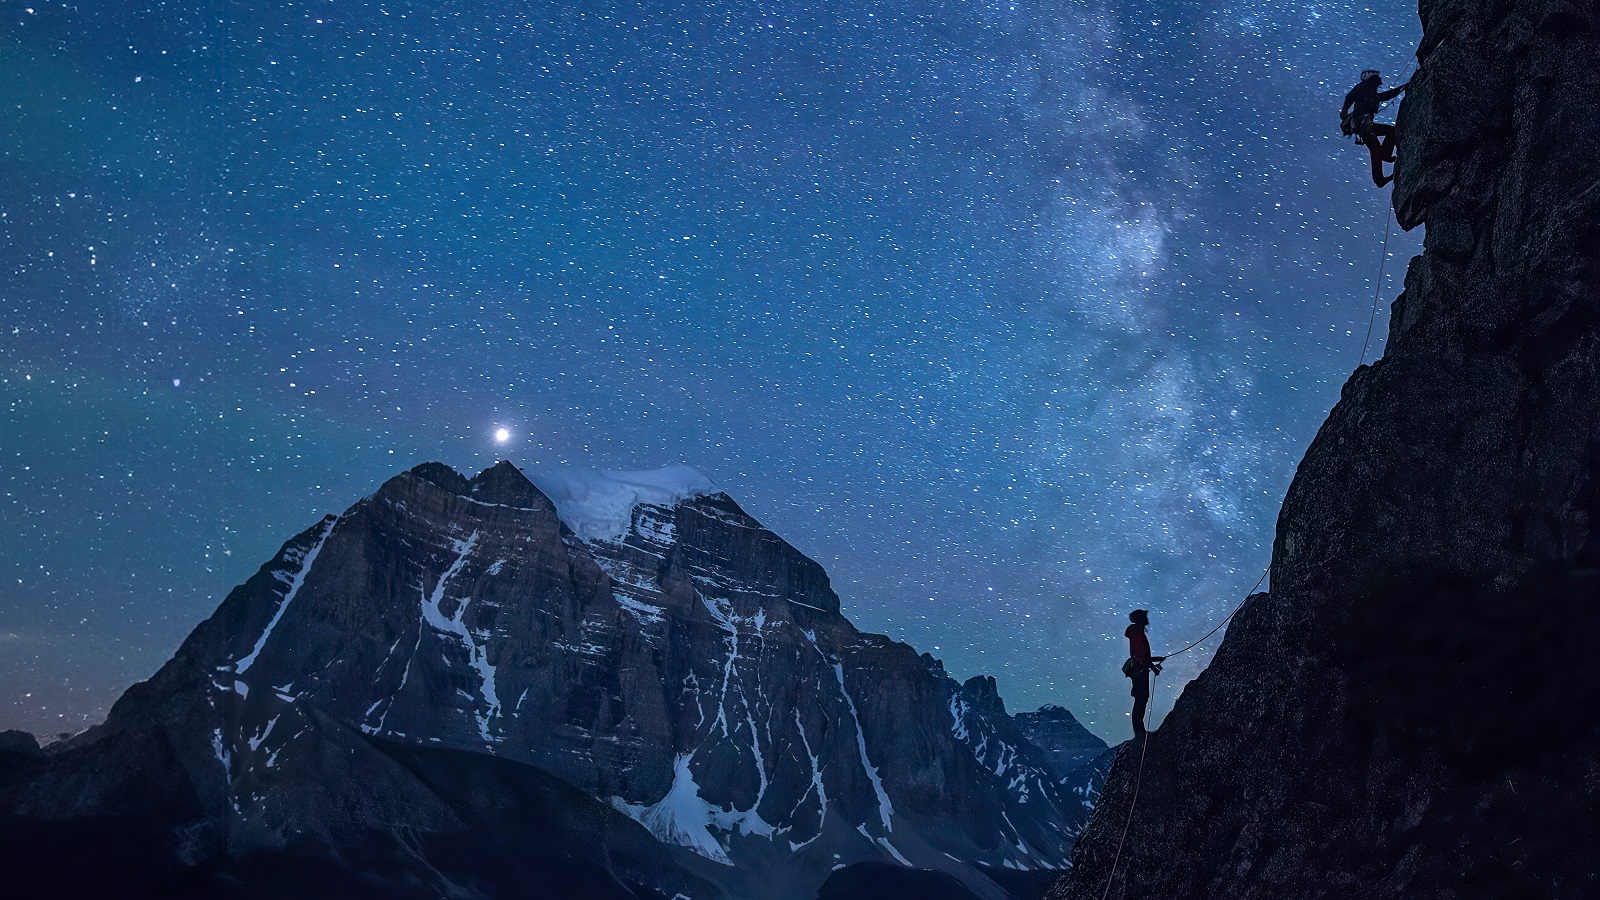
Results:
<point x="1355" y="117"/>
<point x="1139" y="666"/>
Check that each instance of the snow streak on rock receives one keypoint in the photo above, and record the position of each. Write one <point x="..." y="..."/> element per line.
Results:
<point x="958" y="713"/>
<point x="885" y="808"/>
<point x="224" y="757"/>
<point x="816" y="784"/>
<point x="725" y="619"/>
<point x="633" y="585"/>
<point x="477" y="652"/>
<point x="294" y="579"/>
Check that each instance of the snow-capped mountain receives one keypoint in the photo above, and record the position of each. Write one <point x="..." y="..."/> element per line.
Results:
<point x="669" y="683"/>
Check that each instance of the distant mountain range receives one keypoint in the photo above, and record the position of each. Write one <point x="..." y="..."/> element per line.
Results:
<point x="447" y="690"/>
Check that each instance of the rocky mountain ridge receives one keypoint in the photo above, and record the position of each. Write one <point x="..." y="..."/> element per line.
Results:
<point x="1408" y="713"/>
<point x="684" y="702"/>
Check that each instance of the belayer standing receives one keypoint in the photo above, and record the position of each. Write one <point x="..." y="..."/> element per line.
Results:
<point x="1139" y="666"/>
<point x="1355" y="117"/>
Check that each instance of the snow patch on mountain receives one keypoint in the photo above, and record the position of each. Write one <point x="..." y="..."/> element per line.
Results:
<point x="599" y="505"/>
<point x="682" y="817"/>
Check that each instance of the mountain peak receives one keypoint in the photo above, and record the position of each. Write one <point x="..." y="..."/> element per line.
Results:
<point x="1066" y="743"/>
<point x="503" y="483"/>
<point x="984" y="694"/>
<point x="441" y="475"/>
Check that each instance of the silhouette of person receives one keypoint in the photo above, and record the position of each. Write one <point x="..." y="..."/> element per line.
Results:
<point x="1139" y="666"/>
<point x="1360" y="105"/>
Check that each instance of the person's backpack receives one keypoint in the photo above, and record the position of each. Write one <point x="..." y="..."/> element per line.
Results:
<point x="1132" y="667"/>
<point x="1347" y="127"/>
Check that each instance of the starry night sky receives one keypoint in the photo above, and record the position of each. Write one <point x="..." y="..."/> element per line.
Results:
<point x="1015" y="316"/>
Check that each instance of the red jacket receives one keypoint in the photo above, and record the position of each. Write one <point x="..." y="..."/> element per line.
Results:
<point x="1138" y="644"/>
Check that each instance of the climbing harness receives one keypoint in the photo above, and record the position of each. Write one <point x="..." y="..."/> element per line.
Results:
<point x="1138" y="778"/>
<point x="1347" y="121"/>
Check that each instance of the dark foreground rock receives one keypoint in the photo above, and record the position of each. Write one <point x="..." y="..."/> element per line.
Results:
<point x="445" y="691"/>
<point x="500" y="830"/>
<point x="19" y="745"/>
<point x="1411" y="712"/>
<point x="876" y="881"/>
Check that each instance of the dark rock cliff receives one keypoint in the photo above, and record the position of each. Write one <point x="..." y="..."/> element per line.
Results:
<point x="445" y="691"/>
<point x="1411" y="711"/>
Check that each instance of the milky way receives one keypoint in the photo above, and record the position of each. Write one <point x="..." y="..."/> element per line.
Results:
<point x="1015" y="316"/>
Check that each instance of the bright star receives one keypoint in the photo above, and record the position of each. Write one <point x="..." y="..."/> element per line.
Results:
<point x="502" y="435"/>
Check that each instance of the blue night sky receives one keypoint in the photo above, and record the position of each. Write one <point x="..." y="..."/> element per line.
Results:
<point x="1015" y="316"/>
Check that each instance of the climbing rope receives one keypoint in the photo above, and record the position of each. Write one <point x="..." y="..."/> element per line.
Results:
<point x="1138" y="778"/>
<point x="1377" y="287"/>
<point x="1238" y="606"/>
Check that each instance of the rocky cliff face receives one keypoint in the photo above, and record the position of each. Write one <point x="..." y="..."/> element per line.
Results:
<point x="445" y="678"/>
<point x="1411" y="712"/>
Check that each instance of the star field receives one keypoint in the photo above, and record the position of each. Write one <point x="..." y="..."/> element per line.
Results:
<point x="1015" y="316"/>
